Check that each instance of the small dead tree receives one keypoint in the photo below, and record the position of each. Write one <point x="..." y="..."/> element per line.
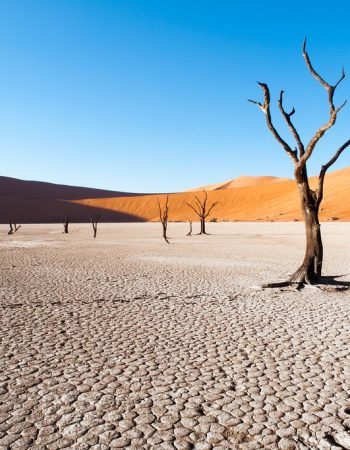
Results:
<point x="201" y="208"/>
<point x="190" y="232"/>
<point x="94" y="222"/>
<point x="163" y="216"/>
<point x="13" y="227"/>
<point x="310" y="270"/>
<point x="65" y="225"/>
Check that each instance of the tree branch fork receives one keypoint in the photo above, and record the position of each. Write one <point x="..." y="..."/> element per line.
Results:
<point x="300" y="154"/>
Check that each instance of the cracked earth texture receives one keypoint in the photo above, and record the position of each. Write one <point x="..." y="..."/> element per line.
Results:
<point x="125" y="342"/>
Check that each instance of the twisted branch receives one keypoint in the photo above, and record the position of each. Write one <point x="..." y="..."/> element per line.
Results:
<point x="287" y="117"/>
<point x="324" y="169"/>
<point x="266" y="110"/>
<point x="333" y="111"/>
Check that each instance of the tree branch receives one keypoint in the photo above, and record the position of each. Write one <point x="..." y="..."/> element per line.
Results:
<point x="287" y="118"/>
<point x="333" y="111"/>
<point x="266" y="109"/>
<point x="312" y="70"/>
<point x="192" y="207"/>
<point x="212" y="206"/>
<point x="160" y="210"/>
<point x="324" y="169"/>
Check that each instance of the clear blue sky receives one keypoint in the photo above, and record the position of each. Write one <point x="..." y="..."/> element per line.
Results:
<point x="151" y="95"/>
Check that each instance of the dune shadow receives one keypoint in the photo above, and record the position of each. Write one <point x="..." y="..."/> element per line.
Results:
<point x="39" y="202"/>
<point x="22" y="210"/>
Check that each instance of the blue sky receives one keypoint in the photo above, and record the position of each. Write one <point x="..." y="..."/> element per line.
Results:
<point x="151" y="95"/>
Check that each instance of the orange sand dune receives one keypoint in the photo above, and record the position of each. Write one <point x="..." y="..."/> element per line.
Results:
<point x="277" y="200"/>
<point x="244" y="199"/>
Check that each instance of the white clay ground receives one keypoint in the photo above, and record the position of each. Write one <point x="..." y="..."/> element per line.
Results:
<point x="126" y="342"/>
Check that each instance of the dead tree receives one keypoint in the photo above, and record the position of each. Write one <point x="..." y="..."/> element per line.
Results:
<point x="13" y="227"/>
<point x="201" y="208"/>
<point x="163" y="216"/>
<point x="65" y="225"/>
<point x="94" y="222"/>
<point x="310" y="270"/>
<point x="190" y="232"/>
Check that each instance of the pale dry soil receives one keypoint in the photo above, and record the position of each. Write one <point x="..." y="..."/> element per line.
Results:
<point x="125" y="342"/>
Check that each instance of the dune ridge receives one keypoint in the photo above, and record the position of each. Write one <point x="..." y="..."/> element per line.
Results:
<point x="242" y="199"/>
<point x="242" y="181"/>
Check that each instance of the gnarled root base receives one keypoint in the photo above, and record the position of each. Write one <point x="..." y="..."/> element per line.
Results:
<point x="298" y="286"/>
<point x="303" y="278"/>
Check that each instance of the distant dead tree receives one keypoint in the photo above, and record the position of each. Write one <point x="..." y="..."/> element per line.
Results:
<point x="190" y="232"/>
<point x="65" y="225"/>
<point x="94" y="222"/>
<point x="310" y="270"/>
<point x="201" y="208"/>
<point x="13" y="227"/>
<point x="163" y="216"/>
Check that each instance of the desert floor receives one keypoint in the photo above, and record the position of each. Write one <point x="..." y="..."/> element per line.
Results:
<point x="126" y="342"/>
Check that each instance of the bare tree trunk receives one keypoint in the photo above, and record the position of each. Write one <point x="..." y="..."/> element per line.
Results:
<point x="311" y="268"/>
<point x="94" y="223"/>
<point x="65" y="225"/>
<point x="203" y="226"/>
<point x="94" y="226"/>
<point x="190" y="232"/>
<point x="164" y="216"/>
<point x="164" y="224"/>
<point x="11" y="228"/>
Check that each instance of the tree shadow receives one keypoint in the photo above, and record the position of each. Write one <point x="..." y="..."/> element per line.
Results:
<point x="324" y="283"/>
<point x="332" y="281"/>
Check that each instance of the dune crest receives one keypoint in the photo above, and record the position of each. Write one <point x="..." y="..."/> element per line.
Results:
<point x="242" y="181"/>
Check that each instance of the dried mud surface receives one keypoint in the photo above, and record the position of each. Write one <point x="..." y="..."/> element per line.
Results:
<point x="125" y="342"/>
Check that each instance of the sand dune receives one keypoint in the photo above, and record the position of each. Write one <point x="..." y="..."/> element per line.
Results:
<point x="242" y="199"/>
<point x="275" y="200"/>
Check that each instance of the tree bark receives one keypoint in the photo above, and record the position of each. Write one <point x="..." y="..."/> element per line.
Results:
<point x="94" y="223"/>
<point x="190" y="232"/>
<point x="11" y="228"/>
<point x="310" y="270"/>
<point x="164" y="224"/>
<point x="203" y="226"/>
<point x="65" y="225"/>
<point x="164" y="216"/>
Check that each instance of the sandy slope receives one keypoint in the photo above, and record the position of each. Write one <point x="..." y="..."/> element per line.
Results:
<point x="276" y="201"/>
<point x="245" y="199"/>
<point x="125" y="342"/>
